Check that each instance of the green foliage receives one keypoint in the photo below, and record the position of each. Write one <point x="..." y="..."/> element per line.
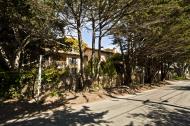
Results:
<point x="87" y="69"/>
<point x="152" y="34"/>
<point x="26" y="76"/>
<point x="74" y="43"/>
<point x="13" y="82"/>
<point x="97" y="86"/>
<point x="54" y="93"/>
<point x="14" y="93"/>
<point x="52" y="75"/>
<point x="179" y="78"/>
<point x="116" y="57"/>
<point x="108" y="68"/>
<point x="25" y="25"/>
<point x="9" y="82"/>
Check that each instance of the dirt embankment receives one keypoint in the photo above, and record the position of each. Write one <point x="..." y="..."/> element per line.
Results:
<point x="73" y="98"/>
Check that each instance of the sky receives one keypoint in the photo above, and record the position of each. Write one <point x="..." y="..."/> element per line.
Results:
<point x="87" y="37"/>
<point x="106" y="41"/>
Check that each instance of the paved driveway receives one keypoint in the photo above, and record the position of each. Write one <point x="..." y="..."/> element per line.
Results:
<point x="165" y="106"/>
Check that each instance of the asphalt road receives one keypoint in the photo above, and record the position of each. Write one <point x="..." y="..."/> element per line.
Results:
<point x="165" y="106"/>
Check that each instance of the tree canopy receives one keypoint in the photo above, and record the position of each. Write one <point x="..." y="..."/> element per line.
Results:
<point x="153" y="36"/>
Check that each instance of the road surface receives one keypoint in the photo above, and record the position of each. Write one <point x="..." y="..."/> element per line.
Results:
<point x="165" y="106"/>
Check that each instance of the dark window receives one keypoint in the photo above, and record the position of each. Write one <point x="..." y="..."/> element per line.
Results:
<point x="73" y="61"/>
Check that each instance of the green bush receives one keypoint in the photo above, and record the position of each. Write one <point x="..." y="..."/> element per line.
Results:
<point x="24" y="84"/>
<point x="108" y="68"/>
<point x="51" y="75"/>
<point x="54" y="93"/>
<point x="14" y="93"/>
<point x="179" y="78"/>
<point x="87" y="69"/>
<point x="10" y="82"/>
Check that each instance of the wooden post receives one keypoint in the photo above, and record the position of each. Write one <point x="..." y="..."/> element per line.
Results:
<point x="143" y="74"/>
<point x="39" y="78"/>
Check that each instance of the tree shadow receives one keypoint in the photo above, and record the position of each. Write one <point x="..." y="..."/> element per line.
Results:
<point x="18" y="109"/>
<point x="185" y="88"/>
<point x="82" y="117"/>
<point x="23" y="113"/>
<point x="162" y="116"/>
<point x="65" y="117"/>
<point x="86" y="98"/>
<point x="161" y="113"/>
<point x="151" y="102"/>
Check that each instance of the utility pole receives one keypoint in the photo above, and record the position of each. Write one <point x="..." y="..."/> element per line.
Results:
<point x="39" y="78"/>
<point x="143" y="74"/>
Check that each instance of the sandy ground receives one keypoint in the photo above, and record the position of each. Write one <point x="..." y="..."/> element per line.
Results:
<point x="73" y="98"/>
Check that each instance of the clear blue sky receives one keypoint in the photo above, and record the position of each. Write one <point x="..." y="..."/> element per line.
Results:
<point x="106" y="41"/>
<point x="87" y="37"/>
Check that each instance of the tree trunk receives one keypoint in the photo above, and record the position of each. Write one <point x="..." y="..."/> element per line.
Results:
<point x="81" y="55"/>
<point x="5" y="58"/>
<point x="124" y="64"/>
<point x="93" y="47"/>
<point x="99" y="50"/>
<point x="148" y="73"/>
<point x="128" y="79"/>
<point x="19" y="51"/>
<point x="163" y="72"/>
<point x="17" y="60"/>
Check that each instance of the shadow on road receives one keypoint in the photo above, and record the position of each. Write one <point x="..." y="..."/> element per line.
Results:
<point x="65" y="117"/>
<point x="161" y="116"/>
<point x="185" y="88"/>
<point x="32" y="114"/>
<point x="151" y="102"/>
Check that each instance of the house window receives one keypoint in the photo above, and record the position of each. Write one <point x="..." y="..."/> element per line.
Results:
<point x="60" y="64"/>
<point x="73" y="61"/>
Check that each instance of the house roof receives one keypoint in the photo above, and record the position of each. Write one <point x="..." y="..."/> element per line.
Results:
<point x="63" y="52"/>
<point x="69" y="52"/>
<point x="108" y="50"/>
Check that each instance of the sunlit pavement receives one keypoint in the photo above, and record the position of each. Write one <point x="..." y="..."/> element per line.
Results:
<point x="166" y="106"/>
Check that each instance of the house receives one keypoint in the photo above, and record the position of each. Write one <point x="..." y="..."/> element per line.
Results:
<point x="63" y="59"/>
<point x="71" y="59"/>
<point x="106" y="53"/>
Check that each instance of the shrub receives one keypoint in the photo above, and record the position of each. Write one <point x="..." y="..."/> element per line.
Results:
<point x="52" y="75"/>
<point x="10" y="82"/>
<point x="108" y="68"/>
<point x="179" y="78"/>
